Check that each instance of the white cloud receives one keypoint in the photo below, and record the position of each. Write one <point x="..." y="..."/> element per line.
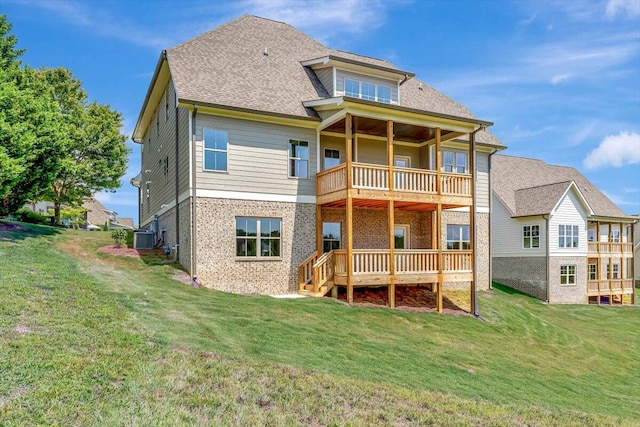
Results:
<point x="616" y="151"/>
<point x="584" y="131"/>
<point x="559" y="78"/>
<point x="630" y="7"/>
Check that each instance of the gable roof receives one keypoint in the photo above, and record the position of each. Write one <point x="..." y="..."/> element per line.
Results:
<point x="255" y="64"/>
<point x="532" y="187"/>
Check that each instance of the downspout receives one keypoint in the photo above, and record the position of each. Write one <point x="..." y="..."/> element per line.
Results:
<point x="546" y="238"/>
<point x="177" y="110"/>
<point x="194" y="278"/>
<point x="494" y="151"/>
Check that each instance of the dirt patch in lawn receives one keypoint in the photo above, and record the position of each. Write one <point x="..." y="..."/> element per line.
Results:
<point x="129" y="252"/>
<point x="5" y="226"/>
<point x="408" y="298"/>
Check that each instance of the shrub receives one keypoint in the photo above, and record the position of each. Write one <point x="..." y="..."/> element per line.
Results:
<point x="26" y="215"/>
<point x="119" y="236"/>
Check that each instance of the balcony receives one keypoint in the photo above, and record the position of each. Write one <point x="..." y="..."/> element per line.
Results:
<point x="606" y="249"/>
<point x="610" y="287"/>
<point x="370" y="181"/>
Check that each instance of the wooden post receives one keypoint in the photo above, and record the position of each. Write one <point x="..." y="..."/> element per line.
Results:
<point x="349" y="219"/>
<point x="440" y="258"/>
<point x="633" y="271"/>
<point x="599" y="263"/>
<point x="438" y="162"/>
<point x="391" y="217"/>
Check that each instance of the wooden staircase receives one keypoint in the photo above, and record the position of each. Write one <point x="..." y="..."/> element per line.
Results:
<point x="315" y="275"/>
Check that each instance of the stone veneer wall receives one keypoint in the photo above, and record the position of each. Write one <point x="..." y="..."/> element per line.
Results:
<point x="185" y="234"/>
<point x="525" y="274"/>
<point x="371" y="227"/>
<point x="568" y="294"/>
<point x="481" y="246"/>
<point x="217" y="265"/>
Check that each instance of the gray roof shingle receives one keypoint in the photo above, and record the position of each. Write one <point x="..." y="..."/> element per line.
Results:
<point x="533" y="187"/>
<point x="227" y="66"/>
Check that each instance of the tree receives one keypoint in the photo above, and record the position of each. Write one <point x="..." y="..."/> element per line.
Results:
<point x="75" y="215"/>
<point x="95" y="157"/>
<point x="31" y="135"/>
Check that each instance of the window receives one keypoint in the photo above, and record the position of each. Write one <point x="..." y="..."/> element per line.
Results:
<point x="352" y="88"/>
<point x="567" y="274"/>
<point x="331" y="158"/>
<point x="368" y="91"/>
<point x="257" y="237"/>
<point x="147" y="191"/>
<point x="615" y="236"/>
<point x="166" y="105"/>
<point x="454" y="162"/>
<point x="384" y="94"/>
<point x="458" y="237"/>
<point x="158" y="124"/>
<point x="299" y="159"/>
<point x="165" y="169"/>
<point x="531" y="236"/>
<point x="593" y="272"/>
<point x="215" y="150"/>
<point x="615" y="268"/>
<point x="330" y="236"/>
<point x="401" y="236"/>
<point x="568" y="236"/>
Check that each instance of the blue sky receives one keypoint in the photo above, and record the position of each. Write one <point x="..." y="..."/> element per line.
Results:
<point x="560" y="79"/>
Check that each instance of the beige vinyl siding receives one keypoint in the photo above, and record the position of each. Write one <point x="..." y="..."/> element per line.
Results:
<point x="371" y="151"/>
<point x="184" y="140"/>
<point x="506" y="233"/>
<point x="257" y="157"/>
<point x="568" y="212"/>
<point x="412" y="152"/>
<point x="334" y="143"/>
<point x="482" y="181"/>
<point x="157" y="146"/>
<point x="326" y="78"/>
<point x="342" y="74"/>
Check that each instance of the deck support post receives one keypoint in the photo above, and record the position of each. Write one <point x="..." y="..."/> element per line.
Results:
<point x="349" y="214"/>
<point x="391" y="217"/>
<point x="438" y="230"/>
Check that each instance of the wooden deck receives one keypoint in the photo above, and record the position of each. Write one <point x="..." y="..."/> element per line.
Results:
<point x="610" y="287"/>
<point x="409" y="185"/>
<point x="371" y="267"/>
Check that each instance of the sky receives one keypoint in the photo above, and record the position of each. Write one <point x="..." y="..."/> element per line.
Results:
<point x="559" y="79"/>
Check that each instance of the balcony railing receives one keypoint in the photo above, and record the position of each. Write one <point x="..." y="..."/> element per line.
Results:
<point x="610" y="247"/>
<point x="610" y="286"/>
<point x="407" y="261"/>
<point x="376" y="177"/>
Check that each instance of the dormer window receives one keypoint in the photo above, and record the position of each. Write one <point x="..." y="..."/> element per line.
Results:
<point x="367" y="91"/>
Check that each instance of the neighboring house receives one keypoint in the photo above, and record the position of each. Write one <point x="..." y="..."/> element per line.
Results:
<point x="555" y="236"/>
<point x="41" y="207"/>
<point x="98" y="215"/>
<point x="273" y="164"/>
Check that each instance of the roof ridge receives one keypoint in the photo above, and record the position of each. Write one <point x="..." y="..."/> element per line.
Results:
<point x="545" y="185"/>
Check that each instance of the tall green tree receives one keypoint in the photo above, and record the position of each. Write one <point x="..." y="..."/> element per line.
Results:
<point x="95" y="157"/>
<point x="31" y="135"/>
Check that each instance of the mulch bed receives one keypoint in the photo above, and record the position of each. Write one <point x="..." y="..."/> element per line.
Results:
<point x="408" y="298"/>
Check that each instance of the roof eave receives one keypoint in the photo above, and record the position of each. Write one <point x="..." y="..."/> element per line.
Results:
<point x="334" y="60"/>
<point x="143" y="116"/>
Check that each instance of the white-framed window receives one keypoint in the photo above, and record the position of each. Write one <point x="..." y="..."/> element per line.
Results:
<point x="166" y="105"/>
<point x="215" y="149"/>
<point x="615" y="236"/>
<point x="368" y="91"/>
<point x="567" y="274"/>
<point x="330" y="236"/>
<point x="458" y="237"/>
<point x="454" y="162"/>
<point x="593" y="272"/>
<point x="568" y="236"/>
<point x="530" y="236"/>
<point x="331" y="158"/>
<point x="613" y="271"/>
<point x="157" y="124"/>
<point x="165" y="169"/>
<point x="298" y="159"/>
<point x="258" y="237"/>
<point x="352" y="88"/>
<point x="401" y="236"/>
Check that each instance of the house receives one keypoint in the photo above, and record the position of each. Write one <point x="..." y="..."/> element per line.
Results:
<point x="273" y="164"/>
<point x="555" y="236"/>
<point x="97" y="216"/>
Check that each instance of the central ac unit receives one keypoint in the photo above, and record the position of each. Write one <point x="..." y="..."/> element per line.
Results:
<point x="143" y="239"/>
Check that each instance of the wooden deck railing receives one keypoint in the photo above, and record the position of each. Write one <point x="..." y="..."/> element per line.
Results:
<point x="322" y="271"/>
<point x="305" y="271"/>
<point x="376" y="177"/>
<point x="407" y="261"/>
<point x="610" y="247"/>
<point x="609" y="286"/>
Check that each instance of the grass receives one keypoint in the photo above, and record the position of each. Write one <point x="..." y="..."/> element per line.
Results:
<point x="90" y="338"/>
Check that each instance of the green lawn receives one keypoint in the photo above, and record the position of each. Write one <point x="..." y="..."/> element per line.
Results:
<point x="88" y="338"/>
